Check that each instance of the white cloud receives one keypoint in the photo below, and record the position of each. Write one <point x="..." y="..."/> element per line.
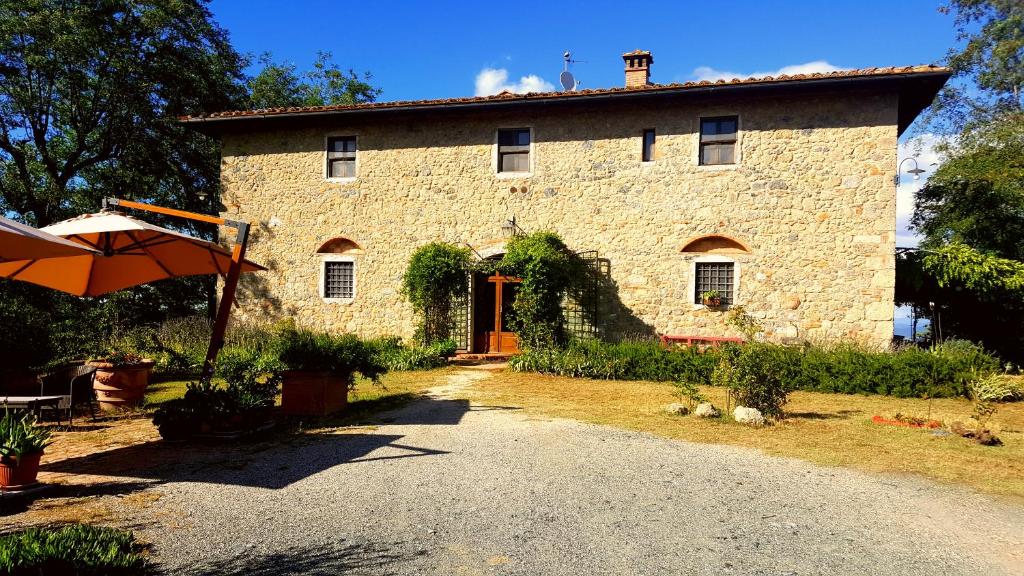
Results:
<point x="492" y="81"/>
<point x="923" y="149"/>
<point x="709" y="73"/>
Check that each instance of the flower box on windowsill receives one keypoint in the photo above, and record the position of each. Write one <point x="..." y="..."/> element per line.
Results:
<point x="712" y="302"/>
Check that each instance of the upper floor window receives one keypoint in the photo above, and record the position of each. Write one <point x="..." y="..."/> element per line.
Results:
<point x="341" y="157"/>
<point x="647" y="155"/>
<point x="514" y="150"/>
<point x="718" y="140"/>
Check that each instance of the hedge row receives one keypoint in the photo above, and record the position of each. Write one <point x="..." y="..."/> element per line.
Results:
<point x="943" y="371"/>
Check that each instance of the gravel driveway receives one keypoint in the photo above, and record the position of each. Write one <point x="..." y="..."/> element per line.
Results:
<point x="445" y="487"/>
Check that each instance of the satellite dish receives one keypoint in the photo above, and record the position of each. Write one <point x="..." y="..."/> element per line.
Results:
<point x="567" y="80"/>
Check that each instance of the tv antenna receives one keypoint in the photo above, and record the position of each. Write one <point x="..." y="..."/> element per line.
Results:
<point x="568" y="81"/>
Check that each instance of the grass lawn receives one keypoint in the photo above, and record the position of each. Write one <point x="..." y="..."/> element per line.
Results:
<point x="830" y="429"/>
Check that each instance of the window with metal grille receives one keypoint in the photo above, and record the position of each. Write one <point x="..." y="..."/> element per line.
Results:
<point x="718" y="140"/>
<point x="714" y="276"/>
<point x="514" y="150"/>
<point x="339" y="279"/>
<point x="341" y="157"/>
<point x="647" y="155"/>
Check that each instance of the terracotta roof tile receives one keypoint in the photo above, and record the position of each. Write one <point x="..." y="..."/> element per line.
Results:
<point x="533" y="96"/>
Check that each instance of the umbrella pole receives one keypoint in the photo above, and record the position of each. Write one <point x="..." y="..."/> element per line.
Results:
<point x="230" y="282"/>
<point x="227" y="299"/>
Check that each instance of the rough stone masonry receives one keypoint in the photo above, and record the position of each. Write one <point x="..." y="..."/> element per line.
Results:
<point x="806" y="213"/>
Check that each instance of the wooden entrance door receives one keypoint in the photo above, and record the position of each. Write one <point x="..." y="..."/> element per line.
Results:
<point x="496" y="313"/>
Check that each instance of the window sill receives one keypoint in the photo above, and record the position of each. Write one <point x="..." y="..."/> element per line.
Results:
<point x="338" y="300"/>
<point x="349" y="180"/>
<point x="513" y="175"/>
<point x="722" y="308"/>
<point x="717" y="167"/>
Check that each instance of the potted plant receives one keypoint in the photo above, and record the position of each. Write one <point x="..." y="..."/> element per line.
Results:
<point x="241" y="406"/>
<point x="121" y="379"/>
<point x="319" y="370"/>
<point x="21" y="446"/>
<point x="711" y="298"/>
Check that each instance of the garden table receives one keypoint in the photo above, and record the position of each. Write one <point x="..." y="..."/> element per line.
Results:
<point x="31" y="403"/>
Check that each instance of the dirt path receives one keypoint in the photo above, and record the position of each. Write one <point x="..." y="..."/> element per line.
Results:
<point x="444" y="486"/>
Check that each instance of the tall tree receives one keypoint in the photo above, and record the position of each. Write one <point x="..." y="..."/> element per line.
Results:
<point x="988" y="66"/>
<point x="89" y="95"/>
<point x="280" y="85"/>
<point x="89" y="98"/>
<point x="971" y="211"/>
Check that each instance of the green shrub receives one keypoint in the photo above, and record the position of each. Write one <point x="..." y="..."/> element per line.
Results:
<point x="437" y="274"/>
<point x="303" y="349"/>
<point x="944" y="371"/>
<point x="631" y="360"/>
<point x="758" y="375"/>
<point x="549" y="271"/>
<point x="74" y="549"/>
<point x="252" y="380"/>
<point x="395" y="356"/>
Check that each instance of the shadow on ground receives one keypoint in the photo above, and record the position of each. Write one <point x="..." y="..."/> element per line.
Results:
<point x="273" y="462"/>
<point x="324" y="560"/>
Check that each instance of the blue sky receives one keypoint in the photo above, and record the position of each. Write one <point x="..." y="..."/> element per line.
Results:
<point x="436" y="49"/>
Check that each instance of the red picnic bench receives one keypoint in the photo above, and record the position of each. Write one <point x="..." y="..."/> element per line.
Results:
<point x="705" y="341"/>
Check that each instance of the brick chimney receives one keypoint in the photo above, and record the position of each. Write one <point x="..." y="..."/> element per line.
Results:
<point x="638" y="68"/>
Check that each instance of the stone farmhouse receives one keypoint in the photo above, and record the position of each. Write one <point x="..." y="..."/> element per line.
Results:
<point x="778" y="192"/>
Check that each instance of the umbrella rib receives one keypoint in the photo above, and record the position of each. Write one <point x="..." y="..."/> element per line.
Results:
<point x="22" y="269"/>
<point x="143" y="244"/>
<point x="83" y="241"/>
<point x="150" y="254"/>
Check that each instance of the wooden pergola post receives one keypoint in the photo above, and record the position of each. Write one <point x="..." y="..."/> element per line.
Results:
<point x="220" y="324"/>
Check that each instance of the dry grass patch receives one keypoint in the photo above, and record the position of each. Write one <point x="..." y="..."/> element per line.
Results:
<point x="831" y="429"/>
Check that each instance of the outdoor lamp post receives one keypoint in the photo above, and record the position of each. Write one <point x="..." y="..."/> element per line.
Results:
<point x="916" y="171"/>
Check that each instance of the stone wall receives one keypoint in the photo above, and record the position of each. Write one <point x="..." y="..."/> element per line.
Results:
<point x="811" y="197"/>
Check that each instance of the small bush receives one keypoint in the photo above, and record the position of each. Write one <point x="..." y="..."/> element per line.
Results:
<point x="74" y="549"/>
<point x="302" y="349"/>
<point x="395" y="356"/>
<point x="759" y="376"/>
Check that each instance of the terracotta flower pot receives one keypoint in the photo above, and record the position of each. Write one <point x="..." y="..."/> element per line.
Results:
<point x="20" y="470"/>
<point x="308" y="393"/>
<point x="120" y="386"/>
<point x="713" y="302"/>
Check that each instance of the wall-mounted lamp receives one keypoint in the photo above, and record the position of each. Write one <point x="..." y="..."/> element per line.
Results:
<point x="510" y="228"/>
<point x="916" y="171"/>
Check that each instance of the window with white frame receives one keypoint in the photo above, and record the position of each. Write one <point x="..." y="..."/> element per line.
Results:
<point x="718" y="140"/>
<point x="514" y="150"/>
<point x="341" y="157"/>
<point x="339" y="279"/>
<point x="717" y="276"/>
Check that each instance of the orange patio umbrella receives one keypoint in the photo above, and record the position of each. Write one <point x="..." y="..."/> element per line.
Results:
<point x="128" y="252"/>
<point x="23" y="245"/>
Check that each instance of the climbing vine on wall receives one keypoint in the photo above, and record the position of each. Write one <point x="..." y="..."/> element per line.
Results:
<point x="437" y="274"/>
<point x="549" y="270"/>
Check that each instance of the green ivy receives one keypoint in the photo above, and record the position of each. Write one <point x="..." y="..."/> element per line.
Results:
<point x="549" y="270"/>
<point x="437" y="274"/>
